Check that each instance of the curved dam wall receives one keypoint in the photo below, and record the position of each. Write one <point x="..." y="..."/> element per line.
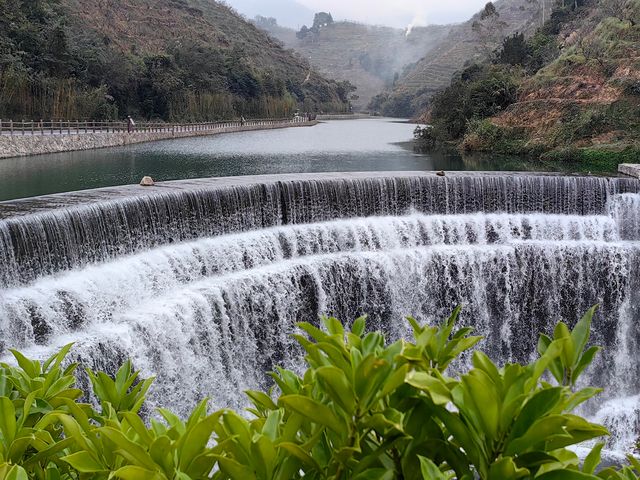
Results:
<point x="59" y="232"/>
<point x="202" y="282"/>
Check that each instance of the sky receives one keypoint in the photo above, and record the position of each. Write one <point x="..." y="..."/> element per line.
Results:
<point x="394" y="13"/>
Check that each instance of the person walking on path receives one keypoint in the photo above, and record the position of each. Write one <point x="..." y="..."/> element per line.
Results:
<point x="242" y="120"/>
<point x="130" y="124"/>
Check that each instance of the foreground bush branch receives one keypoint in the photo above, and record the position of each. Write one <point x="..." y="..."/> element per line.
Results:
<point x="364" y="409"/>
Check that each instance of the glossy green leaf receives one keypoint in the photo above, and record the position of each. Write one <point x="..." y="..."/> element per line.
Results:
<point x="580" y="334"/>
<point x="430" y="470"/>
<point x="84" y="462"/>
<point x="137" y="473"/>
<point x="593" y="459"/>
<point x="584" y="361"/>
<point x="337" y="386"/>
<point x="301" y="454"/>
<point x="359" y="325"/>
<point x="539" y="405"/>
<point x="234" y="469"/>
<point x="314" y="411"/>
<point x="12" y="472"/>
<point x="542" y="430"/>
<point x="7" y="420"/>
<point x="566" y="475"/>
<point x="506" y="469"/>
<point x="435" y="388"/>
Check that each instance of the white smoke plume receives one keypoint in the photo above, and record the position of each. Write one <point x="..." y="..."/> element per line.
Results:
<point x="419" y="20"/>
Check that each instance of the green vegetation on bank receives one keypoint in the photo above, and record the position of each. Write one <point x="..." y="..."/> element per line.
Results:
<point x="466" y="43"/>
<point x="568" y="94"/>
<point x="364" y="409"/>
<point x="64" y="59"/>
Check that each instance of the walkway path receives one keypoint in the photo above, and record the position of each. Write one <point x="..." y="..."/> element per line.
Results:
<point x="35" y="139"/>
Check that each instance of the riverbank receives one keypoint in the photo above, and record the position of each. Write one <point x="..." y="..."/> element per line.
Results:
<point x="345" y="116"/>
<point x="27" y="145"/>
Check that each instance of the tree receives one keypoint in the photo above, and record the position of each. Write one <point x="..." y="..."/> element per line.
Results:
<point x="364" y="408"/>
<point x="304" y="31"/>
<point x="515" y="50"/>
<point x="265" y="23"/>
<point x="489" y="29"/>
<point x="322" y="19"/>
<point x="489" y="11"/>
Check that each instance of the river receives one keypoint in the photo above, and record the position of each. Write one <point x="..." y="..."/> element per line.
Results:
<point x="341" y="145"/>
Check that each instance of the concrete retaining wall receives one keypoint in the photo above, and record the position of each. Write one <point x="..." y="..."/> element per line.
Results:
<point x="23" y="145"/>
<point x="631" y="169"/>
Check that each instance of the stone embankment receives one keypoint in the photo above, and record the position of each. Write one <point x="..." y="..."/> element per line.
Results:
<point x="344" y="116"/>
<point x="24" y="145"/>
<point x="631" y="169"/>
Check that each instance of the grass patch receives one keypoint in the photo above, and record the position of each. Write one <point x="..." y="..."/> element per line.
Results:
<point x="602" y="159"/>
<point x="484" y="136"/>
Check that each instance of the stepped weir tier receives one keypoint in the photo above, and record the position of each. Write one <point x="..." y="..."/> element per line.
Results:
<point x="201" y="282"/>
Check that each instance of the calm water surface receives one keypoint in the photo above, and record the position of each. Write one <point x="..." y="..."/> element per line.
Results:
<point x="342" y="145"/>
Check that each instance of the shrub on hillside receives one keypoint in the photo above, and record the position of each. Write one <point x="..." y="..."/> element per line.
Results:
<point x="479" y="92"/>
<point x="595" y="159"/>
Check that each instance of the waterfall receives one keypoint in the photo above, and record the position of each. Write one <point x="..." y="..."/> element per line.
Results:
<point x="625" y="209"/>
<point x="37" y="239"/>
<point x="203" y="288"/>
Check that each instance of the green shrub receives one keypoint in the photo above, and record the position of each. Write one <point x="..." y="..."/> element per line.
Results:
<point x="480" y="91"/>
<point x="593" y="159"/>
<point x="485" y="136"/>
<point x="363" y="409"/>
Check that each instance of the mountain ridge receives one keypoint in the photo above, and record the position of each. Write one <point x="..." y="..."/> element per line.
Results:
<point x="371" y="57"/>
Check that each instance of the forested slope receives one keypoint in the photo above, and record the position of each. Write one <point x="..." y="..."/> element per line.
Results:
<point x="167" y="59"/>
<point x="570" y="93"/>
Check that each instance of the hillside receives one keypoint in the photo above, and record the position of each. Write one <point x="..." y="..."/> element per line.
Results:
<point x="370" y="57"/>
<point x="471" y="41"/>
<point x="168" y="59"/>
<point x="571" y="93"/>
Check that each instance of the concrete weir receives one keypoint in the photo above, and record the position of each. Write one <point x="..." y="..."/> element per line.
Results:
<point x="84" y="198"/>
<point x="42" y="235"/>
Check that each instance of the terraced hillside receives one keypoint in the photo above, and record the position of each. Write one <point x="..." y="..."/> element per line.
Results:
<point x="472" y="40"/>
<point x="584" y="106"/>
<point x="568" y="94"/>
<point x="370" y="57"/>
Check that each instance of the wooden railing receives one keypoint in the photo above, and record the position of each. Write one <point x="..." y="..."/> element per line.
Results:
<point x="78" y="127"/>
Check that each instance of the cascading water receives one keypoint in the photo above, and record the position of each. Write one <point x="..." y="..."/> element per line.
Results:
<point x="203" y="288"/>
